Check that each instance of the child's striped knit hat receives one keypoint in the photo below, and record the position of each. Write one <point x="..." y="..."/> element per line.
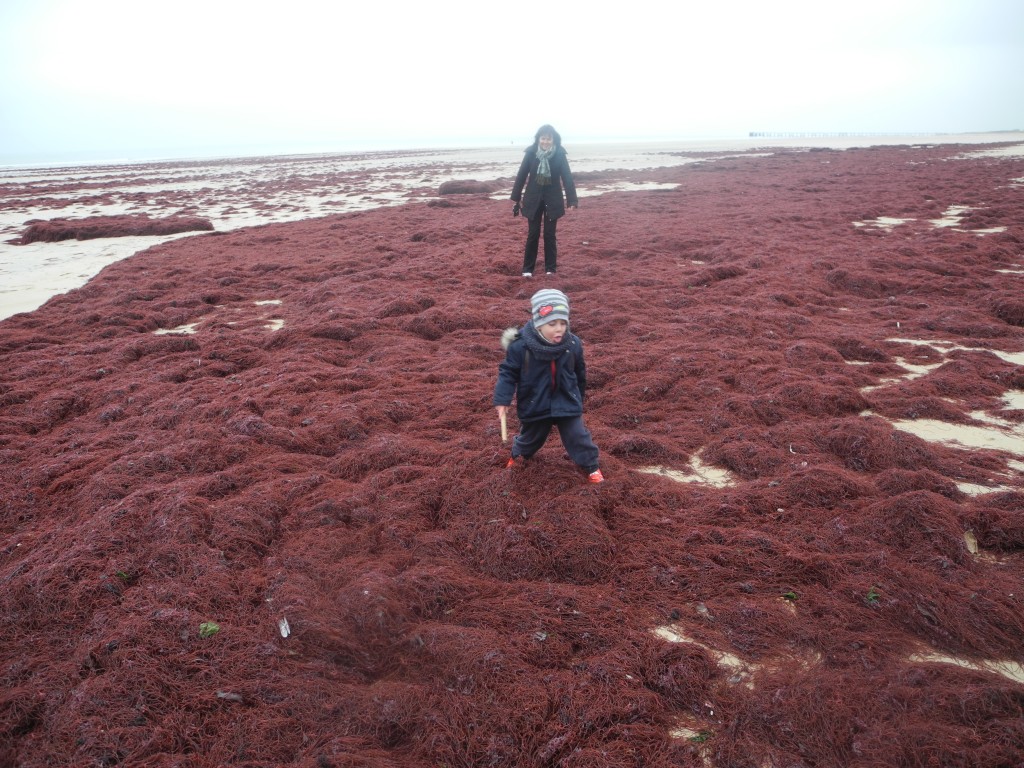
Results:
<point x="547" y="305"/>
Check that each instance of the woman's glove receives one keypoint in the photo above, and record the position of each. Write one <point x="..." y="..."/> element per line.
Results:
<point x="515" y="209"/>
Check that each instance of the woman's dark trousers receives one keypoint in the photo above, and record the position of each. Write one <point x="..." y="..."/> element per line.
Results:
<point x="533" y="241"/>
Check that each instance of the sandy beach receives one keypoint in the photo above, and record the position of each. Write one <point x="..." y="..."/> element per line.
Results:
<point x="242" y="192"/>
<point x="255" y="510"/>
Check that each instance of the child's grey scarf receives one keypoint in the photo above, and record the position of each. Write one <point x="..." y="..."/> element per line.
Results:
<point x="544" y="165"/>
<point x="541" y="349"/>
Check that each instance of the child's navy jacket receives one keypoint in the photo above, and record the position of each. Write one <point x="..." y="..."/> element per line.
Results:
<point x="543" y="389"/>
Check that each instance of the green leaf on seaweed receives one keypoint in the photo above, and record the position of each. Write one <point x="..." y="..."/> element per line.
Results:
<point x="208" y="629"/>
<point x="791" y="596"/>
<point x="700" y="738"/>
<point x="872" y="597"/>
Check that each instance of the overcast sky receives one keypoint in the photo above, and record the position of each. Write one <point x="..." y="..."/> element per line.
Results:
<point x="144" y="78"/>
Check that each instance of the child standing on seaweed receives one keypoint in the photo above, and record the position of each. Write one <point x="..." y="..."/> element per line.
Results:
<point x="544" y="370"/>
<point x="545" y="168"/>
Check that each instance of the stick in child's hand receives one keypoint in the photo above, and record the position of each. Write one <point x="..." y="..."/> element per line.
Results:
<point x="504" y="427"/>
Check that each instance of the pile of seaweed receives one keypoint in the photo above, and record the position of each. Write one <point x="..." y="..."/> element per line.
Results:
<point x="253" y="509"/>
<point x="91" y="227"/>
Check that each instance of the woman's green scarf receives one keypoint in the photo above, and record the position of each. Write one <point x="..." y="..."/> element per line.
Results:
<point x="544" y="165"/>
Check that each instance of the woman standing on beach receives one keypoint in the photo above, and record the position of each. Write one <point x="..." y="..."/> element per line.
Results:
<point x="543" y="172"/>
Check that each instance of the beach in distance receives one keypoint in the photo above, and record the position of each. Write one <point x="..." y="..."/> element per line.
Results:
<point x="239" y="192"/>
<point x="254" y="502"/>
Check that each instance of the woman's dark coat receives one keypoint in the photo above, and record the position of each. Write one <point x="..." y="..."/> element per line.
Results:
<point x="550" y="194"/>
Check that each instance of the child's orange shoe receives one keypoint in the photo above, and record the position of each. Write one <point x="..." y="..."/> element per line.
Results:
<point x="595" y="476"/>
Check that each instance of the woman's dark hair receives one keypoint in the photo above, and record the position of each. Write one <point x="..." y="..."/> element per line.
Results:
<point x="547" y="130"/>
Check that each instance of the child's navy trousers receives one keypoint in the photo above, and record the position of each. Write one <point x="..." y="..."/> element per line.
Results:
<point x="574" y="434"/>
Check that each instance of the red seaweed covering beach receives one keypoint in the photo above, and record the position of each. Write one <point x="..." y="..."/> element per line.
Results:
<point x="254" y="510"/>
